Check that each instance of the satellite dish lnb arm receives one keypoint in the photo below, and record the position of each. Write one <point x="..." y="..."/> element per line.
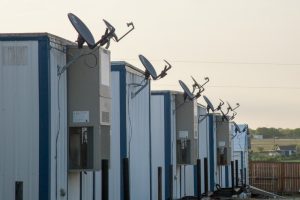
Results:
<point x="128" y="25"/>
<point x="110" y="34"/>
<point x="164" y="71"/>
<point x="206" y="81"/>
<point x="237" y="105"/>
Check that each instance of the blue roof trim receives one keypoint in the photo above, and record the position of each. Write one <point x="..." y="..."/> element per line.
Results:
<point x="25" y="38"/>
<point x="123" y="128"/>
<point x="211" y="152"/>
<point x="44" y="117"/>
<point x="160" y="93"/>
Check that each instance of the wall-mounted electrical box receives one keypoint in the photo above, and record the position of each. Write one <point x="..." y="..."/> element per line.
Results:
<point x="223" y="143"/>
<point x="186" y="131"/>
<point x="89" y="107"/>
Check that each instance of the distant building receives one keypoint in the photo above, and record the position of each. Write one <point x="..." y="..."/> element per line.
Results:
<point x="258" y="137"/>
<point x="286" y="150"/>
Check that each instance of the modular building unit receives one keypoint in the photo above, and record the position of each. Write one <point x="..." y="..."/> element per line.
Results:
<point x="89" y="119"/>
<point x="204" y="147"/>
<point x="219" y="151"/>
<point x="33" y="107"/>
<point x="241" y="146"/>
<point x="130" y="136"/>
<point x="167" y="136"/>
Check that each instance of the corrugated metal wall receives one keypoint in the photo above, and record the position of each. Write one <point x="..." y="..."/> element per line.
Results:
<point x="203" y="142"/>
<point x="212" y="159"/>
<point x="138" y="136"/>
<point x="115" y="159"/>
<point x="87" y="185"/>
<point x="58" y="120"/>
<point x="188" y="180"/>
<point x="137" y="118"/>
<point x="158" y="143"/>
<point x="19" y="117"/>
<point x="242" y="157"/>
<point x="74" y="185"/>
<point x="176" y="178"/>
<point x="240" y="152"/>
<point x="183" y="176"/>
<point x="240" y="141"/>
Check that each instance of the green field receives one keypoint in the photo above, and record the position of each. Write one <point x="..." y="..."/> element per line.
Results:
<point x="268" y="144"/>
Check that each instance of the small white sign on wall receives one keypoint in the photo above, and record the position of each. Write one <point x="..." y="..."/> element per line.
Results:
<point x="81" y="116"/>
<point x="183" y="134"/>
<point x="222" y="143"/>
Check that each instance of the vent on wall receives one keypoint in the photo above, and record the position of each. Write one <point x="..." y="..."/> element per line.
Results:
<point x="105" y="117"/>
<point x="14" y="55"/>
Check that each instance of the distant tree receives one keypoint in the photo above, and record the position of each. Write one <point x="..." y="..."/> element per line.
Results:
<point x="276" y="132"/>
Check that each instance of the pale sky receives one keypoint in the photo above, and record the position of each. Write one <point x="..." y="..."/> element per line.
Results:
<point x="250" y="49"/>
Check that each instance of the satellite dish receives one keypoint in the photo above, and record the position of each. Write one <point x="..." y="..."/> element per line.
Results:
<point x="237" y="128"/>
<point x="187" y="92"/>
<point x="150" y="71"/>
<point x="84" y="34"/>
<point x="209" y="104"/>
